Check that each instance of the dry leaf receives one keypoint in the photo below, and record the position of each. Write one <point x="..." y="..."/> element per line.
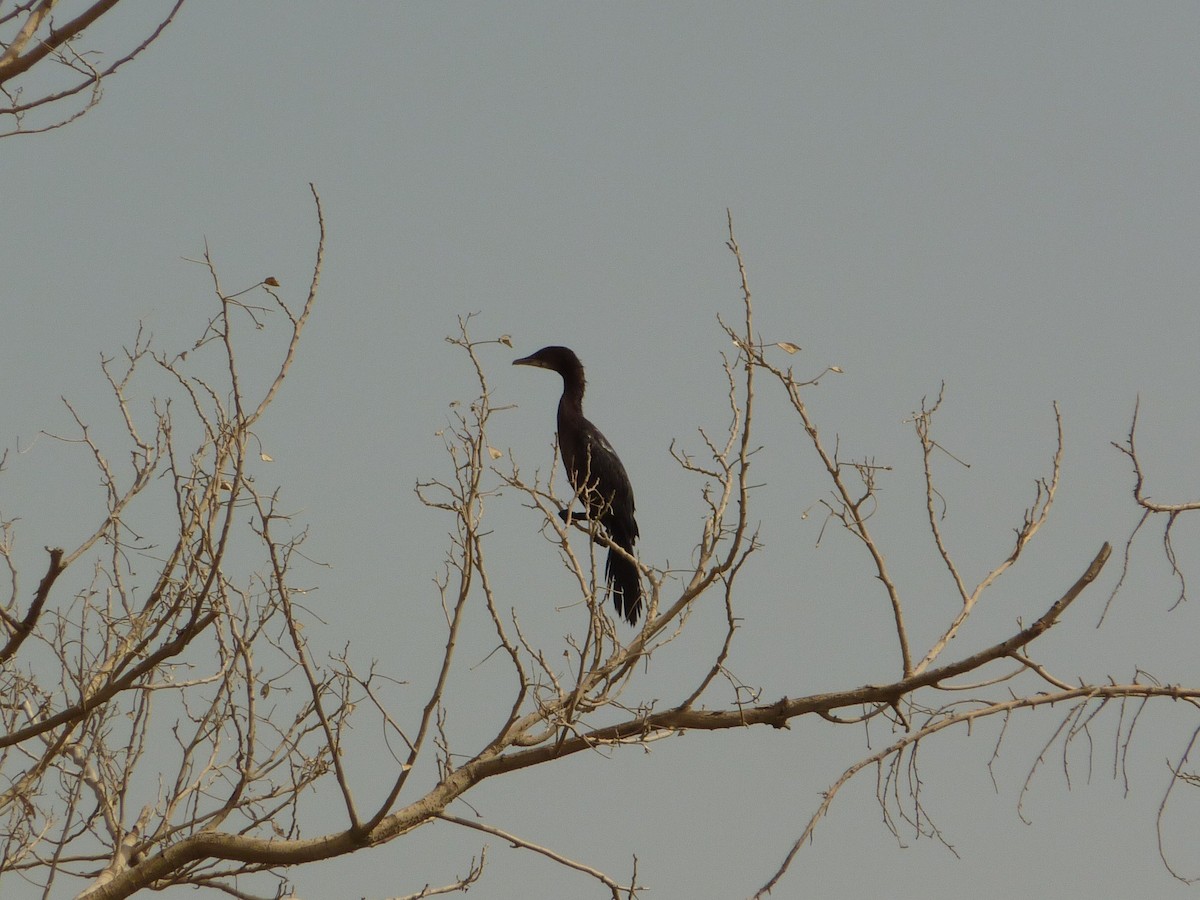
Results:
<point x="788" y="347"/>
<point x="271" y="282"/>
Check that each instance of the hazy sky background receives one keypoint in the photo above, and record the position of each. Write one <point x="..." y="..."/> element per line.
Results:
<point x="1002" y="197"/>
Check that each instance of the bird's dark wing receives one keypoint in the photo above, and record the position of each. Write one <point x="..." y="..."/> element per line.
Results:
<point x="603" y="485"/>
<point x="597" y="474"/>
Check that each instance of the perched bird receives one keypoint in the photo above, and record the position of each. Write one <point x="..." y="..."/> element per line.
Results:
<point x="597" y="476"/>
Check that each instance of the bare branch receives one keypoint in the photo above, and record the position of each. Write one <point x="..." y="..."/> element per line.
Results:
<point x="617" y="889"/>
<point x="46" y="46"/>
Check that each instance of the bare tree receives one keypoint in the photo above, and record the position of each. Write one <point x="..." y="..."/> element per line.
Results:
<point x="180" y="729"/>
<point x="48" y="75"/>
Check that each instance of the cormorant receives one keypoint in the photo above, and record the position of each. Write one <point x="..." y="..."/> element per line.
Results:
<point x="597" y="476"/>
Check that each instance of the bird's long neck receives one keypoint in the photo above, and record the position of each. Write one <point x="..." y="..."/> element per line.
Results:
<point x="573" y="387"/>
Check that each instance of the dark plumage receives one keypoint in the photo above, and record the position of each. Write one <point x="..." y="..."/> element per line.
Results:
<point x="597" y="476"/>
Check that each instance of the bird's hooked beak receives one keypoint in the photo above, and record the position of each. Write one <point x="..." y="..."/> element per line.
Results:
<point x="529" y="361"/>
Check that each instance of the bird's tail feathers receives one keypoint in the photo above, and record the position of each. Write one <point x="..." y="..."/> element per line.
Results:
<point x="626" y="582"/>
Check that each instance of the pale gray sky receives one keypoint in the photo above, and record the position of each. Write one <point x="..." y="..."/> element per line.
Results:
<point x="1003" y="197"/>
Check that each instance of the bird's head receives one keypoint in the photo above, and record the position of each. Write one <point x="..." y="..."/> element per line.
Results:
<point x="559" y="359"/>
